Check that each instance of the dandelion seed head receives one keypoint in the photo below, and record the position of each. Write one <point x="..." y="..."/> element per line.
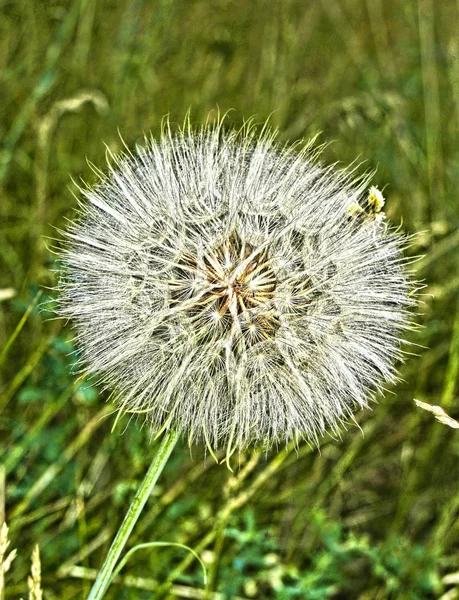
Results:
<point x="233" y="289"/>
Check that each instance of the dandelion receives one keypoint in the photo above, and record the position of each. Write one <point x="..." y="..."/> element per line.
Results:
<point x="235" y="291"/>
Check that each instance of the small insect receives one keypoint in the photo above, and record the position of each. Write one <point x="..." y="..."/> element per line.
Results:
<point x="373" y="209"/>
<point x="376" y="201"/>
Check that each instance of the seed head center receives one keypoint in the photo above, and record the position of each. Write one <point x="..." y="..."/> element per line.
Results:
<point x="237" y="285"/>
<point x="239" y="276"/>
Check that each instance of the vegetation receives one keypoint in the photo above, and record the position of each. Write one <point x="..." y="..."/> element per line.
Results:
<point x="373" y="515"/>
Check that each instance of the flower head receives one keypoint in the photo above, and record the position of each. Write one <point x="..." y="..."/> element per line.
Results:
<point x="235" y="290"/>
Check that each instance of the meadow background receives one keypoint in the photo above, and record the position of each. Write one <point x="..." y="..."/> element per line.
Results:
<point x="372" y="516"/>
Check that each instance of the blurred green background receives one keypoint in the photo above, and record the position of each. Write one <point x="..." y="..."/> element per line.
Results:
<point x="371" y="516"/>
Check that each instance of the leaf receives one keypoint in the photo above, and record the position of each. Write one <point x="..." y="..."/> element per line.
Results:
<point x="158" y="544"/>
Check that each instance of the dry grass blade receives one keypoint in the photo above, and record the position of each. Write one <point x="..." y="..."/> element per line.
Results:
<point x="439" y="413"/>
<point x="46" y="129"/>
<point x="19" y="326"/>
<point x="149" y="585"/>
<point x="66" y="456"/>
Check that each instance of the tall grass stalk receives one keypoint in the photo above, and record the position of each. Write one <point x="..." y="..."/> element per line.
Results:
<point x="143" y="493"/>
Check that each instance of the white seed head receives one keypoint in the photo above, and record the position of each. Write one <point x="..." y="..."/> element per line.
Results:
<point x="233" y="289"/>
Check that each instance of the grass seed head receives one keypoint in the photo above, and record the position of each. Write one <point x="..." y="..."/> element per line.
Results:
<point x="5" y="559"/>
<point x="234" y="289"/>
<point x="34" y="580"/>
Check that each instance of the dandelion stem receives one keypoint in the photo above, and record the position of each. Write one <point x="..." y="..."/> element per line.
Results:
<point x="143" y="493"/>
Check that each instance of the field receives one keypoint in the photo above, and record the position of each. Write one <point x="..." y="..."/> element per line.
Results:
<point x="373" y="515"/>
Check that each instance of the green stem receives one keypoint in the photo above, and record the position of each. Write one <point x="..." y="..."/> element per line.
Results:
<point x="143" y="493"/>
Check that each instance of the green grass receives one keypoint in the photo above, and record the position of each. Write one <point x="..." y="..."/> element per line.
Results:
<point x="370" y="517"/>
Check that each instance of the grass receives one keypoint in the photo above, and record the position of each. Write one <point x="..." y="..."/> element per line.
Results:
<point x="371" y="516"/>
